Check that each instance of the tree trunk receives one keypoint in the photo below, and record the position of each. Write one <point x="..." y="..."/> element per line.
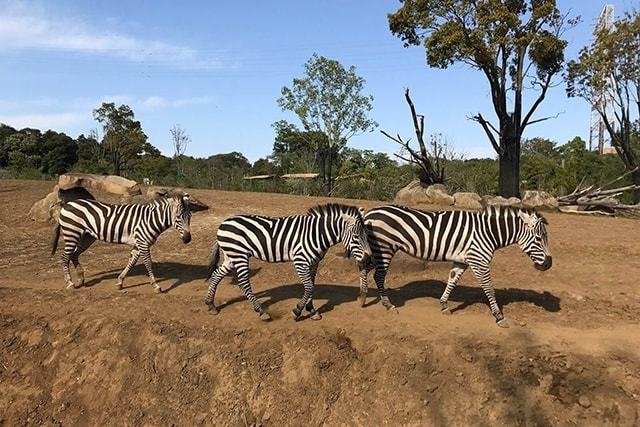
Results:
<point x="635" y="176"/>
<point x="509" y="176"/>
<point x="327" y="173"/>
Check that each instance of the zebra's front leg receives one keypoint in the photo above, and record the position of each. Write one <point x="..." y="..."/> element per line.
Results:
<point x="306" y="274"/>
<point x="146" y="258"/>
<point x="133" y="259"/>
<point x="364" y="287"/>
<point x="379" y="276"/>
<point x="242" y="271"/>
<point x="309" y="307"/>
<point x="215" y="279"/>
<point x="454" y="275"/>
<point x="481" y="271"/>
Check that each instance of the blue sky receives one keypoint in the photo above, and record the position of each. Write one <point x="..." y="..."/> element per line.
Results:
<point x="216" y="68"/>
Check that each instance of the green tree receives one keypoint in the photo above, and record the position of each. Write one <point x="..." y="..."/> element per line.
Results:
<point x="91" y="156"/>
<point x="510" y="42"/>
<point x="265" y="166"/>
<point x="609" y="69"/>
<point x="123" y="141"/>
<point x="329" y="99"/>
<point x="60" y="153"/>
<point x="298" y="151"/>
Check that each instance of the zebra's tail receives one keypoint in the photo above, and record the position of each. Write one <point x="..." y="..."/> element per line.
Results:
<point x="213" y="262"/>
<point x="54" y="238"/>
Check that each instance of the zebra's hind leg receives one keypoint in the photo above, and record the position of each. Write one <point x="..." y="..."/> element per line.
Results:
<point x="83" y="245"/>
<point x="454" y="275"/>
<point x="242" y="271"/>
<point x="215" y="279"/>
<point x="133" y="259"/>
<point x="70" y="245"/>
<point x="66" y="257"/>
<point x="484" y="277"/>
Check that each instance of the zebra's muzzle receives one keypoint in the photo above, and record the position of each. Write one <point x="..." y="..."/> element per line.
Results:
<point x="186" y="238"/>
<point x="548" y="262"/>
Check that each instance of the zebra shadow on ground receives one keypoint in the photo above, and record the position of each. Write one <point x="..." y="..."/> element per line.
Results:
<point x="175" y="272"/>
<point x="470" y="295"/>
<point x="466" y="295"/>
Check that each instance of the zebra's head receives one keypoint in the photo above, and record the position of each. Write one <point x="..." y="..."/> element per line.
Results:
<point x="354" y="235"/>
<point x="533" y="239"/>
<point x="346" y="224"/>
<point x="181" y="215"/>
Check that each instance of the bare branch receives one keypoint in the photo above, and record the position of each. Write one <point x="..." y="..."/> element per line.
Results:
<point x="487" y="129"/>
<point x="545" y="118"/>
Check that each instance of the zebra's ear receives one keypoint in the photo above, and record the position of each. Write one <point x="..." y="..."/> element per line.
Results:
<point x="527" y="218"/>
<point x="361" y="210"/>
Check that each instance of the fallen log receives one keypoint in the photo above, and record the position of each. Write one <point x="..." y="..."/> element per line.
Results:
<point x="600" y="199"/>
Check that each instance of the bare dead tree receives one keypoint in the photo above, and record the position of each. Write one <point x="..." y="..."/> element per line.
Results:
<point x="180" y="141"/>
<point x="431" y="159"/>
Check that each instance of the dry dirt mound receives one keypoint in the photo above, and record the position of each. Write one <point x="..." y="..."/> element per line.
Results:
<point x="96" y="356"/>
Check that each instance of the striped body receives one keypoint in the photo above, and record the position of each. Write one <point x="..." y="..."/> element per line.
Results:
<point x="303" y="239"/>
<point x="82" y="222"/>
<point x="466" y="238"/>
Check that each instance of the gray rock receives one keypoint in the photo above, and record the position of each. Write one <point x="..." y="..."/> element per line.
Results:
<point x="539" y="200"/>
<point x="465" y="200"/>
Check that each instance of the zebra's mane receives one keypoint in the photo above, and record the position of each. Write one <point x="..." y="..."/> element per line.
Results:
<point x="329" y="208"/>
<point x="503" y="210"/>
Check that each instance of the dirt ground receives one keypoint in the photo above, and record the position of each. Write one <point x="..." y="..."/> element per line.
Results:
<point x="98" y="356"/>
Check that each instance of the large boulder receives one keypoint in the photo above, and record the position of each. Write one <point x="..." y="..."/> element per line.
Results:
<point x="416" y="193"/>
<point x="47" y="209"/>
<point x="465" y="200"/>
<point x="539" y="200"/>
<point x="501" y="201"/>
<point x="110" y="183"/>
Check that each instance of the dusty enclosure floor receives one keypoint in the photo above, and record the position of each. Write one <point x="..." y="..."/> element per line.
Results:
<point x="98" y="356"/>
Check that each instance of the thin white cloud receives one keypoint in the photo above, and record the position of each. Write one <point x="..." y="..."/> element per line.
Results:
<point x="44" y="121"/>
<point x="158" y="102"/>
<point x="24" y="26"/>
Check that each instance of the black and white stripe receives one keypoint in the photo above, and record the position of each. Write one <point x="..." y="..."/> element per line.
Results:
<point x="83" y="221"/>
<point x="467" y="238"/>
<point x="303" y="239"/>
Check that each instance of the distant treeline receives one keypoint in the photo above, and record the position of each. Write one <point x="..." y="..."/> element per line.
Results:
<point x="558" y="169"/>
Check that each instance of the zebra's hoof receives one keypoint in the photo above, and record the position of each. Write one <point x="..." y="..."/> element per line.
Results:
<point x="295" y="316"/>
<point x="265" y="316"/>
<point x="363" y="299"/>
<point x="71" y="285"/>
<point x="119" y="286"/>
<point x="316" y="316"/>
<point x="391" y="307"/>
<point x="213" y="309"/>
<point x="157" y="289"/>
<point x="446" y="310"/>
<point x="503" y="323"/>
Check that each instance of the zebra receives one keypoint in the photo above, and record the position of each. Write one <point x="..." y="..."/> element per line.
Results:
<point x="303" y="239"/>
<point x="84" y="221"/>
<point x="467" y="238"/>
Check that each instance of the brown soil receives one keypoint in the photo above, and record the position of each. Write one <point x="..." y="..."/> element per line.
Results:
<point x="97" y="356"/>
